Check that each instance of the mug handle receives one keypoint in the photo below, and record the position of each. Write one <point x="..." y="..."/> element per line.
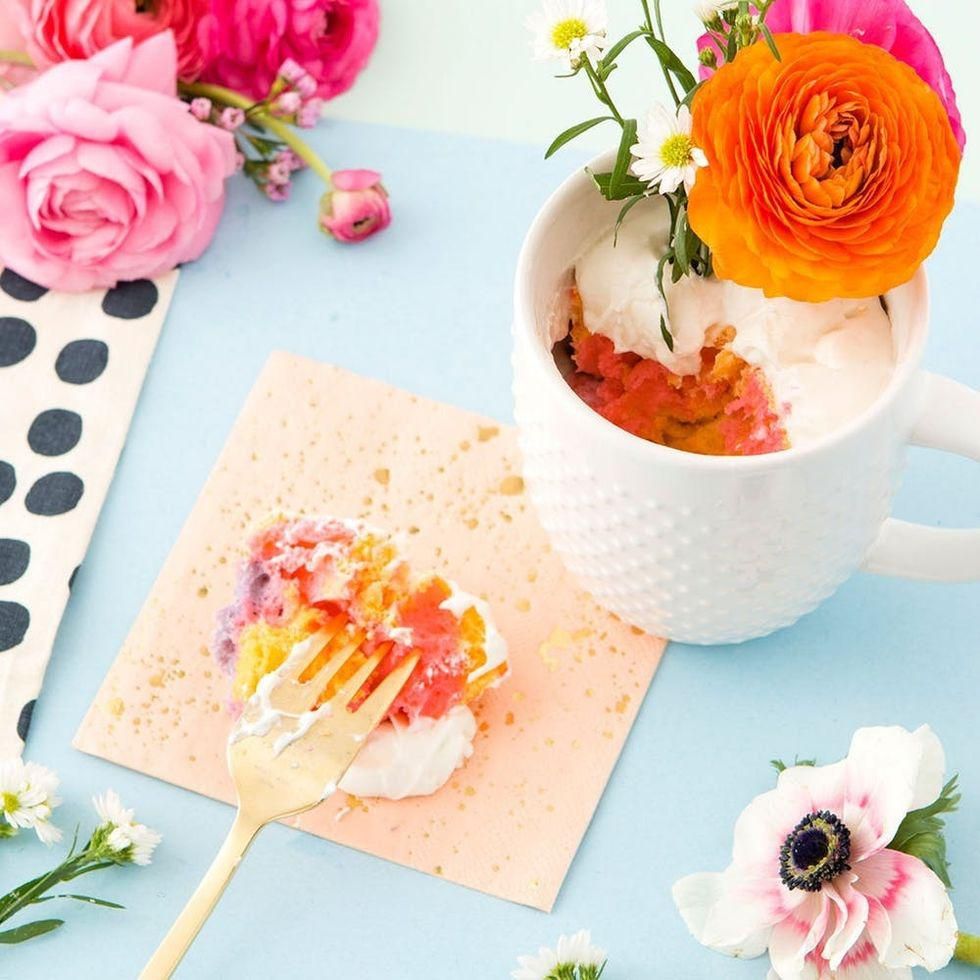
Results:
<point x="950" y="421"/>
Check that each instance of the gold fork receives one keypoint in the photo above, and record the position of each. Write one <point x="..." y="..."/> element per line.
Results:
<point x="281" y="770"/>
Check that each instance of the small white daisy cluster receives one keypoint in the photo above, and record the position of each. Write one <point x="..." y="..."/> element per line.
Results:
<point x="568" y="31"/>
<point x="574" y="958"/>
<point x="122" y="839"/>
<point x="666" y="156"/>
<point x="710" y="12"/>
<point x="27" y="799"/>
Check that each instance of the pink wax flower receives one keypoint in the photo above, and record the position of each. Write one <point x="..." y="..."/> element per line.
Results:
<point x="814" y="879"/>
<point x="104" y="173"/>
<point x="201" y="109"/>
<point x="356" y="208"/>
<point x="231" y="117"/>
<point x="58" y="30"/>
<point x="889" y="24"/>
<point x="253" y="41"/>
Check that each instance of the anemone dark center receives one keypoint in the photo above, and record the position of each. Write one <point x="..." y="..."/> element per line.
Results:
<point x="816" y="850"/>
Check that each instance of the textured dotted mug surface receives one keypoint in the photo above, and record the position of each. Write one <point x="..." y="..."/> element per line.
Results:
<point x="71" y="366"/>
<point x="698" y="549"/>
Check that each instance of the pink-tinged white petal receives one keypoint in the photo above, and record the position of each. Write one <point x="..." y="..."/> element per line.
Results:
<point x="765" y="823"/>
<point x="921" y="927"/>
<point x="798" y="935"/>
<point x="889" y="770"/>
<point x="850" y="918"/>
<point x="715" y="919"/>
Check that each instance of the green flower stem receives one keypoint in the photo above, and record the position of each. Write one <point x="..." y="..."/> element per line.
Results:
<point x="218" y="93"/>
<point x="663" y="37"/>
<point x="601" y="91"/>
<point x="968" y="949"/>
<point x="16" y="58"/>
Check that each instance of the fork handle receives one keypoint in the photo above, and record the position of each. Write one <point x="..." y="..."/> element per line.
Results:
<point x="184" y="931"/>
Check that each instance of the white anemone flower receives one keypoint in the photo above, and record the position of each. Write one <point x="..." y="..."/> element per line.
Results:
<point x="665" y="153"/>
<point x="571" y="952"/>
<point x="27" y="798"/>
<point x="812" y="879"/>
<point x="569" y="30"/>
<point x="129" y="841"/>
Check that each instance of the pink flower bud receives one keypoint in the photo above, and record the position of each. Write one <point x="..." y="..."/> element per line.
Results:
<point x="309" y="113"/>
<point x="356" y="208"/>
<point x="278" y="172"/>
<point x="290" y="159"/>
<point x="306" y="85"/>
<point x="287" y="104"/>
<point x="291" y="71"/>
<point x="276" y="192"/>
<point x="231" y="118"/>
<point x="201" y="109"/>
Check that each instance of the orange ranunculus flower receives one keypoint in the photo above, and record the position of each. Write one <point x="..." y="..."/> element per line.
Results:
<point x="830" y="172"/>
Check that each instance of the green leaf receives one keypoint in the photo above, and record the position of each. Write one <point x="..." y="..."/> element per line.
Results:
<point x="780" y="766"/>
<point x="29" y="931"/>
<point x="105" y="903"/>
<point x="666" y="334"/>
<point x="606" y="65"/>
<point x="574" y="131"/>
<point x="689" y="98"/>
<point x="623" y="211"/>
<point x="681" y="242"/>
<point x="672" y="63"/>
<point x="624" y="158"/>
<point x="921" y="833"/>
<point x="771" y="41"/>
<point x="630" y="186"/>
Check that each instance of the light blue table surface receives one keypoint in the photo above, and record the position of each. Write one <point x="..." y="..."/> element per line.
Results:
<point x="426" y="306"/>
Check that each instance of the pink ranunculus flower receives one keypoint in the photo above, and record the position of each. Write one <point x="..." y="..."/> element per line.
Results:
<point x="889" y="24"/>
<point x="813" y="879"/>
<point x="356" y="208"/>
<point x="59" y="30"/>
<point x="104" y="174"/>
<point x="251" y="39"/>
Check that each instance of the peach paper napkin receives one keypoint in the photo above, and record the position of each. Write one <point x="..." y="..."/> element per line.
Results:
<point x="315" y="439"/>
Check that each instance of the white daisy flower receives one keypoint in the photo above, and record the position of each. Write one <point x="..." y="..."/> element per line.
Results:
<point x="569" y="30"/>
<point x="572" y="951"/>
<point x="127" y="840"/>
<point x="710" y="11"/>
<point x="27" y="798"/>
<point x="665" y="153"/>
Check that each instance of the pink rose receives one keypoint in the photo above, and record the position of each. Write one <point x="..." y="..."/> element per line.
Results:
<point x="251" y="39"/>
<point x="889" y="24"/>
<point x="11" y="39"/>
<point x="104" y="174"/>
<point x="356" y="208"/>
<point x="57" y="30"/>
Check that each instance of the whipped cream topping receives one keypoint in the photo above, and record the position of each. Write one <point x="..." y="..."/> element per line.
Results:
<point x="825" y="363"/>
<point x="416" y="759"/>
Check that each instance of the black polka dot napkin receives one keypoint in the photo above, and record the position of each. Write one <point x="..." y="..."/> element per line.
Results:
<point x="71" y="367"/>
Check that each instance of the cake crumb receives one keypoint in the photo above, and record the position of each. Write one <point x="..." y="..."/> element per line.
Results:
<point x="116" y="707"/>
<point x="486" y="432"/>
<point x="382" y="475"/>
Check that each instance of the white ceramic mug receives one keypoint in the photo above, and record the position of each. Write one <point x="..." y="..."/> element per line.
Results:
<point x="708" y="549"/>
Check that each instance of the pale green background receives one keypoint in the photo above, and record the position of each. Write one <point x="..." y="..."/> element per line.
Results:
<point x="465" y="66"/>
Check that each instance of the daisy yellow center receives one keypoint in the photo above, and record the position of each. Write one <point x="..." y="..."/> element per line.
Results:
<point x="675" y="151"/>
<point x="566" y="32"/>
<point x="9" y="802"/>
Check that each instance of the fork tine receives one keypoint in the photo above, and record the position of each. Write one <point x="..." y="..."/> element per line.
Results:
<point x="377" y="703"/>
<point x="328" y="634"/>
<point x="348" y="690"/>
